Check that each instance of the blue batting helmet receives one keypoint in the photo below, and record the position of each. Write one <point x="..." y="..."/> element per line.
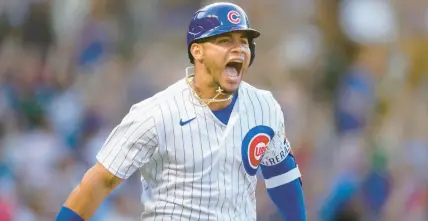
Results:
<point x="216" y="19"/>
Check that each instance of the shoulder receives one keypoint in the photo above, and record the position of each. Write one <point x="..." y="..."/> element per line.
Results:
<point x="252" y="91"/>
<point x="146" y="107"/>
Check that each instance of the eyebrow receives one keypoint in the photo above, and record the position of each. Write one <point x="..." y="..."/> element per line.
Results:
<point x="243" y="35"/>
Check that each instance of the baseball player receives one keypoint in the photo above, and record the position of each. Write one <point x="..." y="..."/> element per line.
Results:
<point x="199" y="143"/>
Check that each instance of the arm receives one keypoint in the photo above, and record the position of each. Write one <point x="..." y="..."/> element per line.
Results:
<point x="96" y="185"/>
<point x="284" y="187"/>
<point x="282" y="175"/>
<point x="129" y="147"/>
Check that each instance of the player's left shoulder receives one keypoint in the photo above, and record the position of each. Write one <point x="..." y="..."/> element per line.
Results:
<point x="253" y="91"/>
<point x="249" y="87"/>
<point x="266" y="95"/>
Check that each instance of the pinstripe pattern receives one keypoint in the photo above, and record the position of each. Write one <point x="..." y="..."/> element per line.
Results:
<point x="193" y="171"/>
<point x="218" y="174"/>
<point x="184" y="159"/>
<point x="166" y="150"/>
<point x="224" y="184"/>
<point x="237" y="133"/>
<point x="198" y="125"/>
<point x="175" y="158"/>
<point x="209" y="163"/>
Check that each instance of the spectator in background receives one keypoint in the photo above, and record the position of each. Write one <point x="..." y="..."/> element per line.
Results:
<point x="63" y="61"/>
<point x="357" y="98"/>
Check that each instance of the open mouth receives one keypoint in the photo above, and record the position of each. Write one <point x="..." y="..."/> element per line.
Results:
<point x="234" y="68"/>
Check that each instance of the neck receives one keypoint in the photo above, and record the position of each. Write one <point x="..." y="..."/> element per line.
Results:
<point x="206" y="89"/>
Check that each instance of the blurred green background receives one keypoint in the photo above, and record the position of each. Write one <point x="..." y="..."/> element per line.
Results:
<point x="351" y="76"/>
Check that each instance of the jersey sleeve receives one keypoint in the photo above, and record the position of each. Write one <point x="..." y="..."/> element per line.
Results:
<point x="274" y="166"/>
<point x="130" y="145"/>
<point x="279" y="147"/>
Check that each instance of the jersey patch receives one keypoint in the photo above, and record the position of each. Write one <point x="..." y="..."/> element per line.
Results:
<point x="277" y="154"/>
<point x="254" y="145"/>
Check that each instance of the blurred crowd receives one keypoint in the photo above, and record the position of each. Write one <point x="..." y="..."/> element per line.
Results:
<point x="350" y="75"/>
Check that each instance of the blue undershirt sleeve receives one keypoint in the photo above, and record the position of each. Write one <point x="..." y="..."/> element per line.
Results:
<point x="66" y="214"/>
<point x="284" y="187"/>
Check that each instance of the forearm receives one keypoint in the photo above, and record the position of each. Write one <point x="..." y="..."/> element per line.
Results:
<point x="289" y="200"/>
<point x="85" y="199"/>
<point x="285" y="189"/>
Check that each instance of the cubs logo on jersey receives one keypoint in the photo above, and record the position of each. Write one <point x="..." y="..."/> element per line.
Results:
<point x="254" y="145"/>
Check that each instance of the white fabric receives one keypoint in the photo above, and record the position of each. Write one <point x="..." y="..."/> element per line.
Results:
<point x="283" y="178"/>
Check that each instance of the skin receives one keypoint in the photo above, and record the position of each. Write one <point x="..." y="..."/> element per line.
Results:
<point x="211" y="58"/>
<point x="95" y="186"/>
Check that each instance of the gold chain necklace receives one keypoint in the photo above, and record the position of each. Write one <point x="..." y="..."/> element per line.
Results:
<point x="190" y="81"/>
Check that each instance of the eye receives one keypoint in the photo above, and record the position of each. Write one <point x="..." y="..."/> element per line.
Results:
<point x="244" y="41"/>
<point x="224" y="41"/>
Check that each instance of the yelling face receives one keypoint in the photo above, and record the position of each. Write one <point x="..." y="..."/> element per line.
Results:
<point x="225" y="59"/>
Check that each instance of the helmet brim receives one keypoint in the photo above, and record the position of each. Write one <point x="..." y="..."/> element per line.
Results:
<point x="251" y="33"/>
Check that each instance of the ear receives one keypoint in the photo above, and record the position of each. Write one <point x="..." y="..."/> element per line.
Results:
<point x="197" y="51"/>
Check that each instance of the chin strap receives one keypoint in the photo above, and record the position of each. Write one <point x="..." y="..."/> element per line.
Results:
<point x="190" y="81"/>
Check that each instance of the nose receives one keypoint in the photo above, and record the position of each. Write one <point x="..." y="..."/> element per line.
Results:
<point x="238" y="47"/>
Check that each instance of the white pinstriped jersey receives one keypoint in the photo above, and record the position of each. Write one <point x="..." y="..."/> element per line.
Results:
<point x="195" y="167"/>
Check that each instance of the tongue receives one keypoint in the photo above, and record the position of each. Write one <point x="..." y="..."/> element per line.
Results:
<point x="231" y="72"/>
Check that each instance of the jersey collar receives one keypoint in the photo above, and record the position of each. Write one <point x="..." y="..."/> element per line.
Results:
<point x="201" y="110"/>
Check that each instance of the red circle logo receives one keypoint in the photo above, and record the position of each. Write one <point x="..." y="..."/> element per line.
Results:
<point x="257" y="147"/>
<point x="234" y="17"/>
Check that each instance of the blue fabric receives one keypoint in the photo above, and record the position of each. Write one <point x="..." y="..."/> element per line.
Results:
<point x="286" y="165"/>
<point x="91" y="54"/>
<point x="376" y="189"/>
<point x="66" y="214"/>
<point x="355" y="100"/>
<point x="343" y="190"/>
<point x="224" y="114"/>
<point x="288" y="198"/>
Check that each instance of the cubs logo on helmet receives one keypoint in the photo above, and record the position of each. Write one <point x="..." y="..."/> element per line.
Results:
<point x="234" y="17"/>
<point x="254" y="145"/>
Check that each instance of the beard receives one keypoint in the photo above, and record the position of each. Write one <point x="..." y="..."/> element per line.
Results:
<point x="216" y="76"/>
